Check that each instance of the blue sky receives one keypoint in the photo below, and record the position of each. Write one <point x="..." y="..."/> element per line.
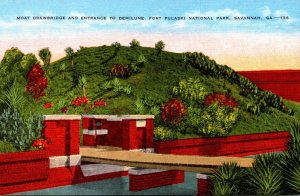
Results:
<point x="11" y="9"/>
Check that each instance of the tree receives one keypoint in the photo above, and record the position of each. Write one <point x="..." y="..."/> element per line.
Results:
<point x="37" y="82"/>
<point x="62" y="70"/>
<point x="116" y="46"/>
<point x="45" y="55"/>
<point x="70" y="54"/>
<point x="82" y="84"/>
<point x="159" y="46"/>
<point x="12" y="58"/>
<point x="28" y="61"/>
<point x="134" y="43"/>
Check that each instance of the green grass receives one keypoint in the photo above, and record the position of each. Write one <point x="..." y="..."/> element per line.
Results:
<point x="6" y="147"/>
<point x="156" y="80"/>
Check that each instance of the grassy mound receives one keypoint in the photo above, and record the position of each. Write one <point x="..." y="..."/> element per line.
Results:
<point x="152" y="81"/>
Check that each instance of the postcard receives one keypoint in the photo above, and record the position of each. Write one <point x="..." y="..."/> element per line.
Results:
<point x="157" y="97"/>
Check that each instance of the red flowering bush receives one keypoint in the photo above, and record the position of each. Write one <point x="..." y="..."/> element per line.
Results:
<point x="80" y="101"/>
<point x="40" y="143"/>
<point x="64" y="109"/>
<point x="221" y="99"/>
<point x="37" y="82"/>
<point x="47" y="105"/>
<point x="173" y="111"/>
<point x="121" y="70"/>
<point x="100" y="103"/>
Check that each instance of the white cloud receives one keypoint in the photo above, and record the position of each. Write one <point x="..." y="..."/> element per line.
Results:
<point x="266" y="11"/>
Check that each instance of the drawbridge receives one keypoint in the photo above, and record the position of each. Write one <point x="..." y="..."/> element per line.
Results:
<point x="198" y="164"/>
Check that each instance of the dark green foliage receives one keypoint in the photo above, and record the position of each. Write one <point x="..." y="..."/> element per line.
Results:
<point x="141" y="60"/>
<point x="45" y="55"/>
<point x="134" y="43"/>
<point x="227" y="180"/>
<point x="116" y="46"/>
<point x="19" y="131"/>
<point x="159" y="46"/>
<point x="146" y="105"/>
<point x="115" y="86"/>
<point x="13" y="97"/>
<point x="290" y="162"/>
<point x="70" y="54"/>
<point x="261" y="101"/>
<point x="294" y="141"/>
<point x="11" y="59"/>
<point x="27" y="62"/>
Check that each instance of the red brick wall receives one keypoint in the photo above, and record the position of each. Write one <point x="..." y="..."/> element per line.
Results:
<point x="149" y="133"/>
<point x="63" y="136"/>
<point x="203" y="187"/>
<point x="238" y="145"/>
<point x="285" y="83"/>
<point x="23" y="167"/>
<point x="122" y="133"/>
<point x="146" y="181"/>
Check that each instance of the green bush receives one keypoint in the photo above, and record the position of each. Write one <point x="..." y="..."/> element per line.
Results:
<point x="227" y="179"/>
<point x="191" y="91"/>
<point x="6" y="147"/>
<point x="134" y="43"/>
<point x="13" y="97"/>
<point x="116" y="86"/>
<point x="290" y="162"/>
<point x="261" y="101"/>
<point x="213" y="120"/>
<point x="17" y="130"/>
<point x="141" y="60"/>
<point x="146" y="105"/>
<point x="265" y="177"/>
<point x="163" y="133"/>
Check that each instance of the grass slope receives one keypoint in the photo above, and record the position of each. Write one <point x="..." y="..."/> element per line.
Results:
<point x="156" y="80"/>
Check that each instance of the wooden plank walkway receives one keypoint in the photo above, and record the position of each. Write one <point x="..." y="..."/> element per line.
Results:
<point x="200" y="164"/>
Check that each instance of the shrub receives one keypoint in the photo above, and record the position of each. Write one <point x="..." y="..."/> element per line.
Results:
<point x="141" y="60"/>
<point x="290" y="163"/>
<point x="116" y="86"/>
<point x="191" y="91"/>
<point x="163" y="133"/>
<point x="6" y="147"/>
<point x="40" y="143"/>
<point x="221" y="99"/>
<point x="79" y="101"/>
<point x="261" y="100"/>
<point x="100" y="103"/>
<point x="146" y="105"/>
<point x="64" y="110"/>
<point x="173" y="111"/>
<point x="13" y="97"/>
<point x="265" y="178"/>
<point x="134" y="43"/>
<point x="37" y="82"/>
<point x="213" y="120"/>
<point x="45" y="55"/>
<point x="121" y="70"/>
<point x="47" y="105"/>
<point x="28" y="61"/>
<point x="11" y="58"/>
<point x="226" y="180"/>
<point x="17" y="130"/>
<point x="159" y="46"/>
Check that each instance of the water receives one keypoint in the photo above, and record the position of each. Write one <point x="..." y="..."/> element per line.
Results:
<point x="120" y="186"/>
